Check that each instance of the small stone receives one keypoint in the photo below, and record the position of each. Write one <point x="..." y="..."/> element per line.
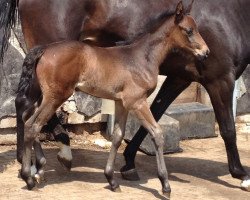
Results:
<point x="102" y="143"/>
<point x="75" y="118"/>
<point x="9" y="122"/>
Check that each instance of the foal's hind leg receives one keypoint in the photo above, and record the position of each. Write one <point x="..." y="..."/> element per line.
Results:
<point x="221" y="94"/>
<point x="118" y="134"/>
<point x="40" y="161"/>
<point x="145" y="116"/>
<point x="24" y="105"/>
<point x="32" y="127"/>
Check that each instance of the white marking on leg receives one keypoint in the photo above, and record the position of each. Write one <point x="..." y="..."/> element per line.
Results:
<point x="33" y="170"/>
<point x="246" y="184"/>
<point x="65" y="151"/>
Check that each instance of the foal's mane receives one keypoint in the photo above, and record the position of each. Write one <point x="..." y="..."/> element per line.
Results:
<point x="152" y="26"/>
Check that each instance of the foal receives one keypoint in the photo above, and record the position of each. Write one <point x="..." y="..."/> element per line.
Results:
<point x="126" y="74"/>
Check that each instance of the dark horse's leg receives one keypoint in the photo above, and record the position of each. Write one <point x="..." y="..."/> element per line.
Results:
<point x="170" y="89"/>
<point x="221" y="95"/>
<point x="64" y="156"/>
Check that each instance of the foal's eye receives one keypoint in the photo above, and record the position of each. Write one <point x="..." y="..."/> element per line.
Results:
<point x="189" y="32"/>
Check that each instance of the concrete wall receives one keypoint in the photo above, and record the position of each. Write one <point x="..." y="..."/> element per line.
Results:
<point x="243" y="104"/>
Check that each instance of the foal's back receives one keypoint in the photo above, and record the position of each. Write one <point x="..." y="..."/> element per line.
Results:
<point x="70" y="65"/>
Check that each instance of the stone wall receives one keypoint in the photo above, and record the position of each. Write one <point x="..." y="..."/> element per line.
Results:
<point x="243" y="105"/>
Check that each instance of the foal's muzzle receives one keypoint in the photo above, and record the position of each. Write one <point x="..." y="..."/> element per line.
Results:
<point x="202" y="54"/>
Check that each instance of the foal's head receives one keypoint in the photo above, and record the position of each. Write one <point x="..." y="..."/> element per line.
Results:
<point x="185" y="35"/>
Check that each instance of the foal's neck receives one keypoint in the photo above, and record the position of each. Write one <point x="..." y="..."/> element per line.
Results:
<point x="157" y="45"/>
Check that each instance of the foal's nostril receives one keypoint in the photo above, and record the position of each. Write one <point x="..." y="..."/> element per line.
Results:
<point x="207" y="52"/>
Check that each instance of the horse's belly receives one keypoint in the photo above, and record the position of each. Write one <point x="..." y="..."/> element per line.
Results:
<point x="97" y="91"/>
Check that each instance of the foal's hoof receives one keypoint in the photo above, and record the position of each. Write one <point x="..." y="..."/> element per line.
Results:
<point x="67" y="164"/>
<point x="39" y="177"/>
<point x="245" y="185"/>
<point x="130" y="174"/>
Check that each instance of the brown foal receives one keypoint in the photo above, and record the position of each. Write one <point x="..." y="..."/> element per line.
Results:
<point x="126" y="74"/>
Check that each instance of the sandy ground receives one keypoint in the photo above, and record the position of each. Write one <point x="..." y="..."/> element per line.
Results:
<point x="200" y="172"/>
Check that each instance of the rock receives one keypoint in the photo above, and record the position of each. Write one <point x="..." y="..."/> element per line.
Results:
<point x="171" y="135"/>
<point x="9" y="122"/>
<point x="9" y="139"/>
<point x="103" y="143"/>
<point x="10" y="75"/>
<point x="78" y="118"/>
<point x="196" y="120"/>
<point x="86" y="104"/>
<point x="243" y="105"/>
<point x="98" y="117"/>
<point x="7" y="136"/>
<point x="70" y="105"/>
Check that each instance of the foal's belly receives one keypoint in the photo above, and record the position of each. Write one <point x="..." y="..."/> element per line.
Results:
<point x="98" y="90"/>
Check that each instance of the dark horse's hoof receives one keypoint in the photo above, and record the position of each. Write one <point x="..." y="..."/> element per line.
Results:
<point x="116" y="189"/>
<point x="166" y="195"/>
<point x="67" y="164"/>
<point x="130" y="174"/>
<point x="245" y="185"/>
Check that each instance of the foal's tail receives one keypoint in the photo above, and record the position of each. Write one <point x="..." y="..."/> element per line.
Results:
<point x="8" y="15"/>
<point x="29" y="68"/>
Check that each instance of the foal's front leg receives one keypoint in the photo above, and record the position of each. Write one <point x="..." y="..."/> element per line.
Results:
<point x="145" y="116"/>
<point x="118" y="134"/>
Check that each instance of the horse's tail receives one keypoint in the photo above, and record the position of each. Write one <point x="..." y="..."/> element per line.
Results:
<point x="29" y="68"/>
<point x="8" y="15"/>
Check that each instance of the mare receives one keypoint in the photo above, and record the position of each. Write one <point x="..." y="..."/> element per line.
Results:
<point x="224" y="25"/>
<point x="63" y="67"/>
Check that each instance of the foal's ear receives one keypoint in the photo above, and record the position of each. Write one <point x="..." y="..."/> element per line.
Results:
<point x="179" y="13"/>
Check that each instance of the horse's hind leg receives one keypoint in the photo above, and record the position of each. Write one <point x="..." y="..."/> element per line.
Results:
<point x="221" y="94"/>
<point x="40" y="161"/>
<point x="170" y="89"/>
<point x="119" y="130"/>
<point x="145" y="116"/>
<point x="23" y="107"/>
<point x="32" y="127"/>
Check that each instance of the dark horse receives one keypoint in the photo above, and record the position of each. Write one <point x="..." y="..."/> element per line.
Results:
<point x="108" y="21"/>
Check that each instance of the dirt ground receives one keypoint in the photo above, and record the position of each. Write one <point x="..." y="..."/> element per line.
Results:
<point x="200" y="172"/>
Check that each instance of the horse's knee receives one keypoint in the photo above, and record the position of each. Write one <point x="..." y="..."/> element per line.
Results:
<point x="31" y="131"/>
<point x="117" y="139"/>
<point x="157" y="137"/>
